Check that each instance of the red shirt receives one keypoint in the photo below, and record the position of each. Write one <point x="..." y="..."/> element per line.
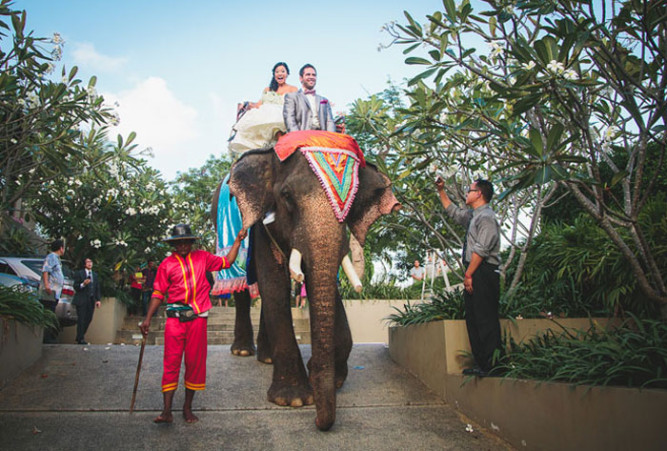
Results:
<point x="184" y="279"/>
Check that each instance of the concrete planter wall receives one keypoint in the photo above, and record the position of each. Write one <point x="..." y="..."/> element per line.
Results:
<point x="106" y="321"/>
<point x="20" y="347"/>
<point x="529" y="414"/>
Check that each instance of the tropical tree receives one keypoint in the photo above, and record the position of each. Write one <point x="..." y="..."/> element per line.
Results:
<point x="565" y="85"/>
<point x="192" y="192"/>
<point x="116" y="213"/>
<point x="46" y="124"/>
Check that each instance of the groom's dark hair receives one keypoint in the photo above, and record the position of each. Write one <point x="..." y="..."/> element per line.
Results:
<point x="306" y="66"/>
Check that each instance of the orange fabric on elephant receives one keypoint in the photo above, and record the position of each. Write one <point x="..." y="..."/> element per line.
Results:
<point x="289" y="143"/>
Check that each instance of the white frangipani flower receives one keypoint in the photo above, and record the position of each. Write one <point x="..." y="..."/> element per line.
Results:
<point x="529" y="66"/>
<point x="570" y="75"/>
<point x="555" y="67"/>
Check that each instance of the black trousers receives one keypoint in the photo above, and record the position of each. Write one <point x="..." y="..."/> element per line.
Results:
<point x="481" y="308"/>
<point x="84" y="317"/>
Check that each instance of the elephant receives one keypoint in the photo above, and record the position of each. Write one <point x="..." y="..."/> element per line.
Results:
<point x="305" y="239"/>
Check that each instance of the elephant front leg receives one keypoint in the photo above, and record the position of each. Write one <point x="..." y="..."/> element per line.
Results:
<point x="243" y="335"/>
<point x="290" y="386"/>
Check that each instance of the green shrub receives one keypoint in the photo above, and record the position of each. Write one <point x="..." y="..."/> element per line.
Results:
<point x="632" y="355"/>
<point x="443" y="305"/>
<point x="25" y="308"/>
<point x="575" y="270"/>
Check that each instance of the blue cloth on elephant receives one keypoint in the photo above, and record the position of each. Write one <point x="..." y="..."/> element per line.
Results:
<point x="230" y="223"/>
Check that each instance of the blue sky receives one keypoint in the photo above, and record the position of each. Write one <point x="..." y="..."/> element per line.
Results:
<point x="178" y="69"/>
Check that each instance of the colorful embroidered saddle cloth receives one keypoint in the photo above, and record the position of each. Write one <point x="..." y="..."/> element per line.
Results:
<point x="335" y="159"/>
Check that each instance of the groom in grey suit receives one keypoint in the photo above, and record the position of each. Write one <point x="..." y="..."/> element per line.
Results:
<point x="304" y="109"/>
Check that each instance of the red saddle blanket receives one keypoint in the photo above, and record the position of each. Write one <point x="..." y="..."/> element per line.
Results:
<point x="335" y="159"/>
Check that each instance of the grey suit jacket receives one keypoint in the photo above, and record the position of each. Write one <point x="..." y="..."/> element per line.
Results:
<point x="90" y="292"/>
<point x="298" y="116"/>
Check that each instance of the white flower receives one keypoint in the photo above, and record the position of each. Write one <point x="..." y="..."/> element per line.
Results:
<point x="611" y="133"/>
<point x="33" y="99"/>
<point x="469" y="428"/>
<point x="96" y="244"/>
<point x="130" y="211"/>
<point x="78" y="182"/>
<point x="147" y="250"/>
<point x="529" y="66"/>
<point x="555" y="67"/>
<point x="57" y="39"/>
<point x="570" y="75"/>
<point x="70" y="192"/>
<point x="50" y="68"/>
<point x="496" y="49"/>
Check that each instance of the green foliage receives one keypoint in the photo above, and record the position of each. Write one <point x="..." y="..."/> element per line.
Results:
<point x="631" y="355"/>
<point x="47" y="125"/>
<point x="116" y="214"/>
<point x="565" y="96"/>
<point x="443" y="305"/>
<point x="192" y="192"/>
<point x="574" y="270"/>
<point x="24" y="308"/>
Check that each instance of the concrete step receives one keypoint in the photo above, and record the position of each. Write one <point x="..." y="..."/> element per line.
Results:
<point x="220" y="326"/>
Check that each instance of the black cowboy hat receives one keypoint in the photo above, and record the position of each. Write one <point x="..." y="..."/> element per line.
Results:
<point x="181" y="232"/>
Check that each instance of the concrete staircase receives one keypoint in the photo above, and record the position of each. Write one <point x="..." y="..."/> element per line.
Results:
<point x="220" y="327"/>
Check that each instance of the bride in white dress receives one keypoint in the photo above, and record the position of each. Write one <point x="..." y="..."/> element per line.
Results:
<point x="262" y="124"/>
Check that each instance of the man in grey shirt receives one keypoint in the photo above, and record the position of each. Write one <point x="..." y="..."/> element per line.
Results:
<point x="482" y="279"/>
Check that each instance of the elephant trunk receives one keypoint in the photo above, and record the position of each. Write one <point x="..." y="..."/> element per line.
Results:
<point x="322" y="291"/>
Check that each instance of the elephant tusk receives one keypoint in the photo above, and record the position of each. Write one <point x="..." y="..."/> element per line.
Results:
<point x="295" y="266"/>
<point x="351" y="274"/>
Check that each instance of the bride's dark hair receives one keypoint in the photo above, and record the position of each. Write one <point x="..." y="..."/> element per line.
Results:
<point x="273" y="86"/>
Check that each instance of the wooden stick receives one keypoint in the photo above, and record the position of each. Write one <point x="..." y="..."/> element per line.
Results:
<point x="136" y="377"/>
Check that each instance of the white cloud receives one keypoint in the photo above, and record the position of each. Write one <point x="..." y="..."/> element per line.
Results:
<point x="85" y="55"/>
<point x="161" y="121"/>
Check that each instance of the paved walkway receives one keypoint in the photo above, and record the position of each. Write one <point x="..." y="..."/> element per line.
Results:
<point x="77" y="398"/>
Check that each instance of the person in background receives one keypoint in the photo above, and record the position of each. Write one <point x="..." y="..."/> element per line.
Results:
<point x="51" y="282"/>
<point x="136" y="286"/>
<point x="417" y="271"/>
<point x="147" y="288"/>
<point x="86" y="298"/>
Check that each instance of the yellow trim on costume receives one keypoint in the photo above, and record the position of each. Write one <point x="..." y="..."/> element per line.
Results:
<point x="191" y="386"/>
<point x="197" y="308"/>
<point x="169" y="387"/>
<point x="157" y="294"/>
<point x="185" y="277"/>
<point x="225" y="264"/>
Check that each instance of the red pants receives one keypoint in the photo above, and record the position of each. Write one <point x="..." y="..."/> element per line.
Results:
<point x="191" y="338"/>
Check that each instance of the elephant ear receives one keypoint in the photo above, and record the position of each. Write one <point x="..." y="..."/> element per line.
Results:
<point x="251" y="181"/>
<point x="374" y="199"/>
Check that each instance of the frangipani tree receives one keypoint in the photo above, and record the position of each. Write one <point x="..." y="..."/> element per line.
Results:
<point x="116" y="213"/>
<point x="46" y="122"/>
<point x="565" y="84"/>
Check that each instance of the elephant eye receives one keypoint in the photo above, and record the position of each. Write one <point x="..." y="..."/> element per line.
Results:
<point x="286" y="195"/>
